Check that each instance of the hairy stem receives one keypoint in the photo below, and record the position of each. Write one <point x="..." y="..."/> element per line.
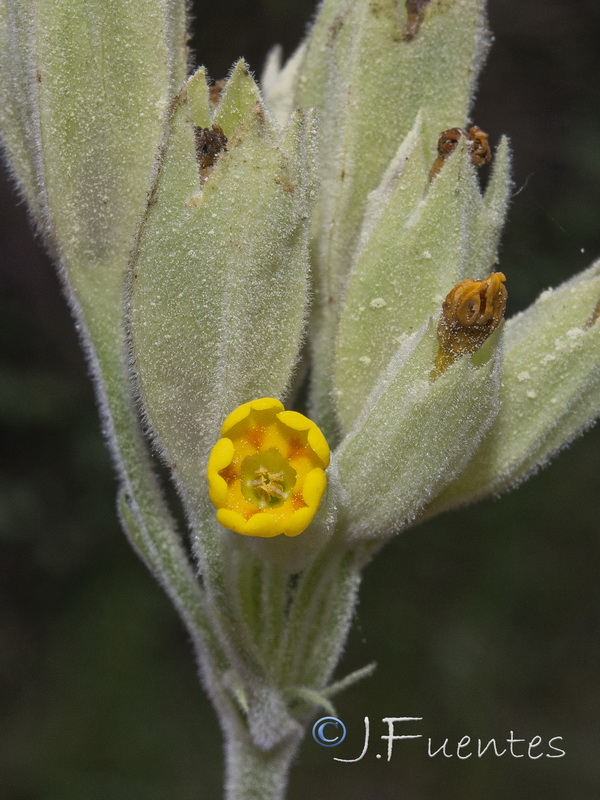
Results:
<point x="253" y="774"/>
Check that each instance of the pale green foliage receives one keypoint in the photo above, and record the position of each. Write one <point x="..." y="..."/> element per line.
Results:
<point x="85" y="88"/>
<point x="95" y="117"/>
<point x="358" y="81"/>
<point x="385" y="463"/>
<point x="18" y="110"/>
<point x="198" y="101"/>
<point x="278" y="82"/>
<point x="490" y="220"/>
<point x="368" y="83"/>
<point x="239" y="98"/>
<point x="550" y="388"/>
<point x="418" y="240"/>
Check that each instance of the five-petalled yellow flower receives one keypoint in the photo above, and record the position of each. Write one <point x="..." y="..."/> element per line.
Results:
<point x="266" y="476"/>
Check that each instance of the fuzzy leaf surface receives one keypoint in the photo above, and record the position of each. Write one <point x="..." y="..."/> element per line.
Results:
<point x="550" y="389"/>
<point x="86" y="88"/>
<point x="415" y="434"/>
<point x="368" y="82"/>
<point x="240" y="96"/>
<point x="279" y="83"/>
<point x="218" y="282"/>
<point x="418" y="241"/>
<point x="18" y="108"/>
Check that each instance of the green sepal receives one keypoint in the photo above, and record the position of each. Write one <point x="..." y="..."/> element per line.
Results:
<point x="198" y="99"/>
<point x="218" y="282"/>
<point x="312" y="72"/>
<point x="415" y="434"/>
<point x="550" y="389"/>
<point x="486" y="236"/>
<point x="86" y="87"/>
<point x="369" y="61"/>
<point x="350" y="679"/>
<point x="310" y="697"/>
<point x="278" y="83"/>
<point x="357" y="57"/>
<point x="240" y="96"/>
<point x="419" y="239"/>
<point x="19" y="116"/>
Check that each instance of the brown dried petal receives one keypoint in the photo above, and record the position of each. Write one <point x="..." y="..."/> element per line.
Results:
<point x="471" y="311"/>
<point x="209" y="143"/>
<point x="477" y="143"/>
<point x="479" y="148"/>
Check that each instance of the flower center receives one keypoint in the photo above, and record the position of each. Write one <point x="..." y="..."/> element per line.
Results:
<point x="268" y="484"/>
<point x="267" y="479"/>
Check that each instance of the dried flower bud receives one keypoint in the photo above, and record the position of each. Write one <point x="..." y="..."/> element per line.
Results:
<point x="477" y="142"/>
<point x="479" y="148"/>
<point x="209" y="143"/>
<point x="470" y="312"/>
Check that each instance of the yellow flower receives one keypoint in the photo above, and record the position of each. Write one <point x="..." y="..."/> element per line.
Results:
<point x="266" y="475"/>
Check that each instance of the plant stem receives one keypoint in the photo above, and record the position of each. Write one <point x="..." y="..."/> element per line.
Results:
<point x="253" y="774"/>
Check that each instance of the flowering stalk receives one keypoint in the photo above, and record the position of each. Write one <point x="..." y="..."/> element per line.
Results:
<point x="226" y="248"/>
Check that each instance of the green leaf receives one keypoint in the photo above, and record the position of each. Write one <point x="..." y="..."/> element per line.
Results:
<point x="311" y="697"/>
<point x="368" y="61"/>
<point x="218" y="282"/>
<point x="87" y="85"/>
<point x="311" y="74"/>
<point x="490" y="221"/>
<point x="415" y="434"/>
<point x="175" y="14"/>
<point x="350" y="679"/>
<point x="19" y="124"/>
<point x="105" y="76"/>
<point x="550" y="389"/>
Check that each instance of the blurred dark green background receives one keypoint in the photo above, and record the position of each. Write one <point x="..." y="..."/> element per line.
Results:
<point x="482" y="622"/>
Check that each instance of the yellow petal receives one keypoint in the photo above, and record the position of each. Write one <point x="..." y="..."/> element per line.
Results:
<point x="243" y="411"/>
<point x="316" y="440"/>
<point x="314" y="486"/>
<point x="263" y="524"/>
<point x="220" y="457"/>
<point x="299" y="521"/>
<point x="232" y="520"/>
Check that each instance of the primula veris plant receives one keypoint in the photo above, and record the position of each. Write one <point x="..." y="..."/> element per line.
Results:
<point x="262" y="273"/>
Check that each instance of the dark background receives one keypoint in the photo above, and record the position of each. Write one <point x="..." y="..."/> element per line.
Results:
<point x="484" y="621"/>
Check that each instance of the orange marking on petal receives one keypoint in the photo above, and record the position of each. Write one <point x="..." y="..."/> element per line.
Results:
<point x="298" y="502"/>
<point x="297" y="449"/>
<point x="255" y="437"/>
<point x="229" y="474"/>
